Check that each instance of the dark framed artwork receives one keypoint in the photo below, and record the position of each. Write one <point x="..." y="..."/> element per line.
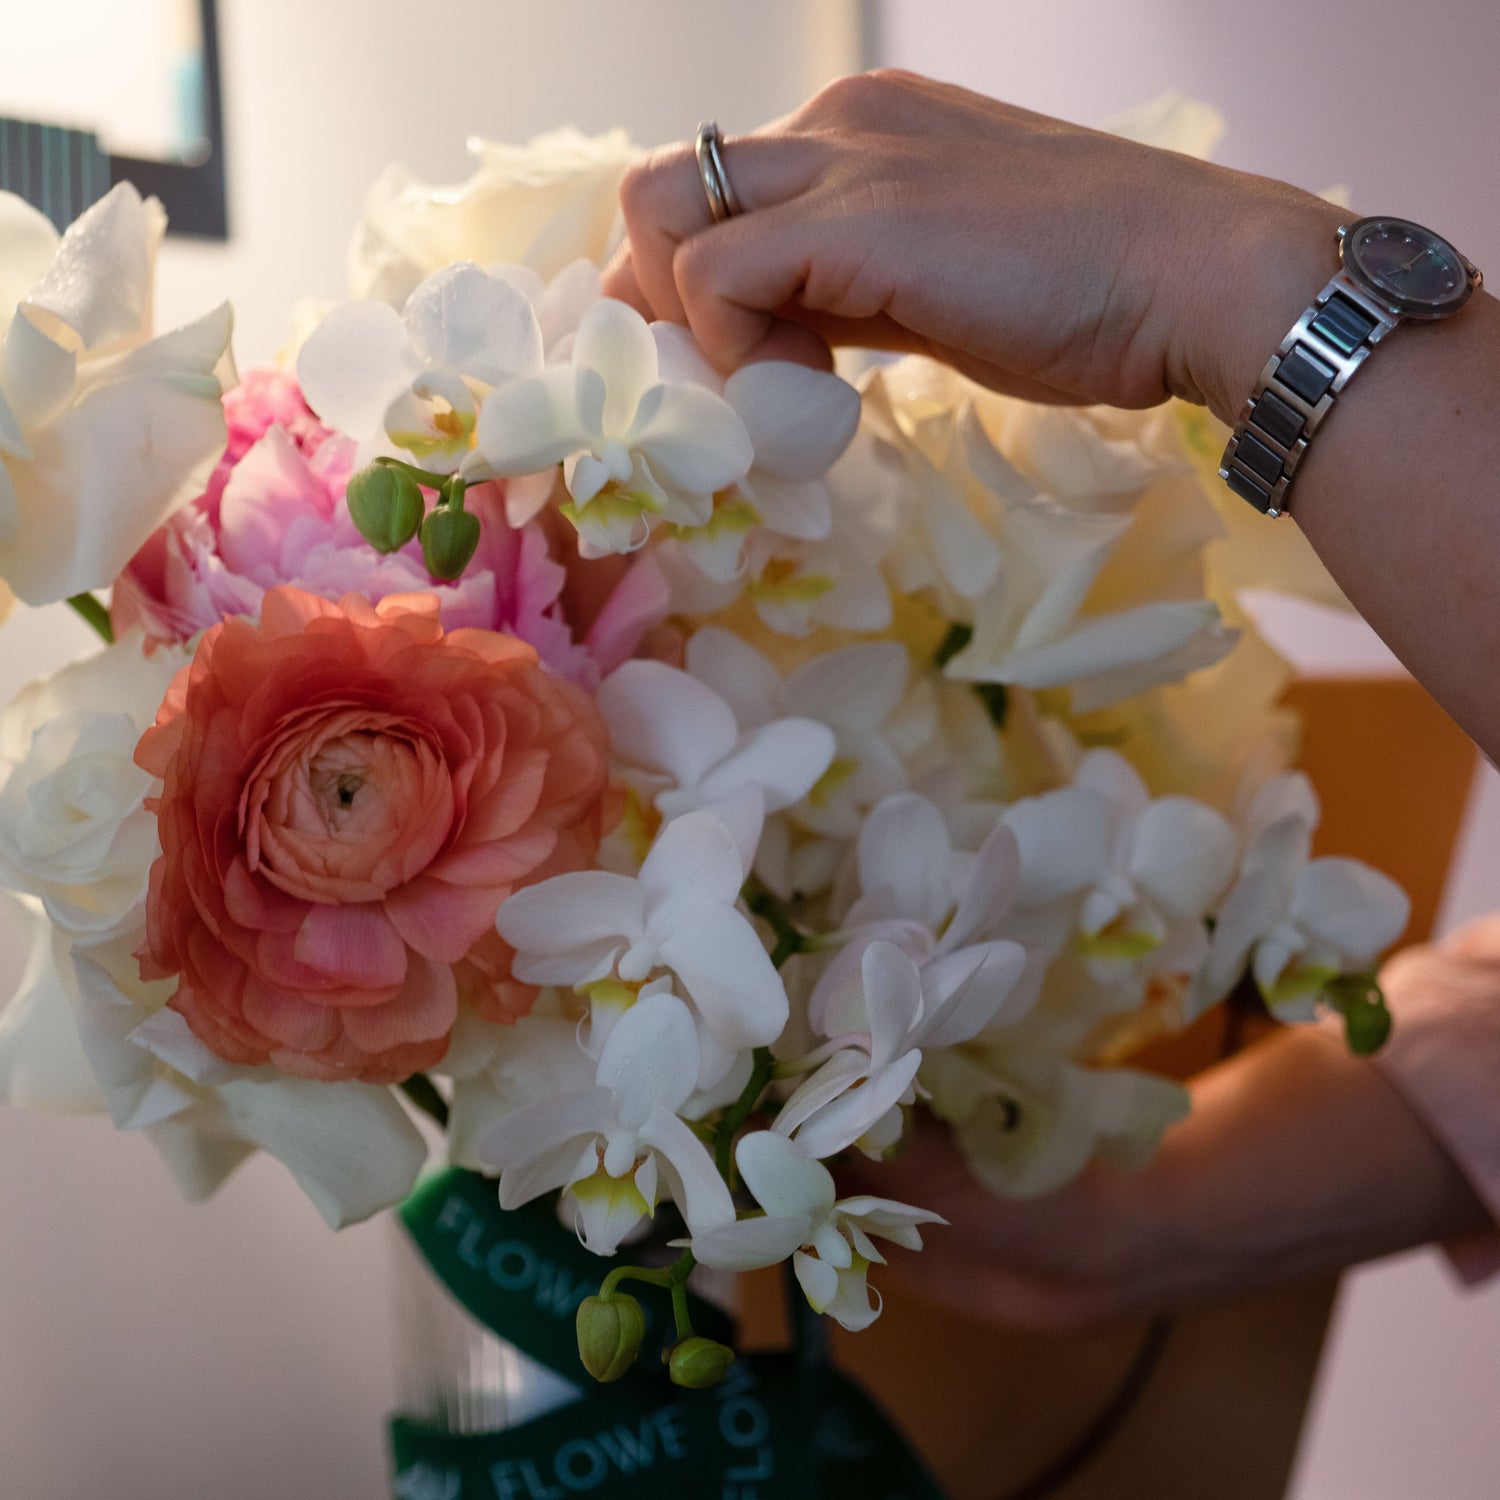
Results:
<point x="122" y="92"/>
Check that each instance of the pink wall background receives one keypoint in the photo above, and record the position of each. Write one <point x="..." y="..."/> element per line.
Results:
<point x="1399" y="103"/>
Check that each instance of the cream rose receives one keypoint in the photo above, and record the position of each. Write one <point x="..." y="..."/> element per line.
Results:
<point x="542" y="205"/>
<point x="73" y="828"/>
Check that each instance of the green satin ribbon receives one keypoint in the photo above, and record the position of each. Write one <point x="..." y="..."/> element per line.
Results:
<point x="773" y="1429"/>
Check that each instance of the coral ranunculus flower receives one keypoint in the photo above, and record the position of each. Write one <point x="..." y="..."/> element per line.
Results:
<point x="348" y="795"/>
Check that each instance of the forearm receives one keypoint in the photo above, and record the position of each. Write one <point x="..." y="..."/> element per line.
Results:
<point x="1298" y="1160"/>
<point x="1399" y="488"/>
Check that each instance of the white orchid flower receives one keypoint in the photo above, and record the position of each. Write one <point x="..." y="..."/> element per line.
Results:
<point x="799" y="422"/>
<point x="633" y="446"/>
<point x="680" y="916"/>
<point x="1299" y="922"/>
<point x="684" y="748"/>
<point x="942" y="906"/>
<point x="1029" y="1121"/>
<point x="415" y="379"/>
<point x="103" y="430"/>
<point x="1125" y="878"/>
<point x="862" y="694"/>
<point x="830" y="1241"/>
<point x="614" y="1144"/>
<point x="855" y="1096"/>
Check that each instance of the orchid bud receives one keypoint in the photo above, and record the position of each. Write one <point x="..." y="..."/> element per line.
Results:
<point x="386" y="505"/>
<point x="1367" y="1022"/>
<point x="698" y="1363"/>
<point x="449" y="540"/>
<point x="610" y="1334"/>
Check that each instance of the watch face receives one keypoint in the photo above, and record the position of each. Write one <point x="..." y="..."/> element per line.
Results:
<point x="1411" y="269"/>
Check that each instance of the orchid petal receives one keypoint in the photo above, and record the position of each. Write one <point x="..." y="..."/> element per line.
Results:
<point x="691" y="438"/>
<point x="905" y="848"/>
<point x="989" y="890"/>
<point x="893" y="1000"/>
<point x="729" y="975"/>
<point x="1183" y="855"/>
<point x="663" y="719"/>
<point x="751" y="1243"/>
<point x="463" y="319"/>
<point x="614" y="341"/>
<point x="1353" y="909"/>
<point x="694" y="860"/>
<point x="819" y="1281"/>
<point x="572" y="911"/>
<point x="783" y="1177"/>
<point x="530" y="424"/>
<point x="836" y="1127"/>
<point x="736" y="671"/>
<point x="651" y="1058"/>
<point x="354" y="364"/>
<point x="784" y="759"/>
<point x="689" y="1171"/>
<point x="798" y="420"/>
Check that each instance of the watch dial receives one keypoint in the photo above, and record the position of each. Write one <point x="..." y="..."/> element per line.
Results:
<point x="1407" y="264"/>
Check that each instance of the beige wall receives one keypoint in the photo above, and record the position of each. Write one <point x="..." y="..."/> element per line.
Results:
<point x="239" y="1350"/>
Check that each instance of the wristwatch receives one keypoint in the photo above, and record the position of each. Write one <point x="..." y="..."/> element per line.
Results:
<point x="1391" y="272"/>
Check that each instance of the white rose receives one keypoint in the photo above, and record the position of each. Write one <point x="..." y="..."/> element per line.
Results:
<point x="542" y="205"/>
<point x="73" y="828"/>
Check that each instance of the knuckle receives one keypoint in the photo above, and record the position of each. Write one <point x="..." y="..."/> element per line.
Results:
<point x="642" y="185"/>
<point x="858" y="96"/>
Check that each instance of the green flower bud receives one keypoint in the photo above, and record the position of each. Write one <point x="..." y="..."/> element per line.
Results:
<point x="386" y="505"/>
<point x="449" y="540"/>
<point x="610" y="1334"/>
<point x="699" y="1363"/>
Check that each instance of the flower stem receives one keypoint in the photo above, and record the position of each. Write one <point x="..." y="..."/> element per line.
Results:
<point x="422" y="1092"/>
<point x="673" y="1277"/>
<point x="428" y="481"/>
<point x="740" y="1111"/>
<point x="94" y="614"/>
<point x="790" y="938"/>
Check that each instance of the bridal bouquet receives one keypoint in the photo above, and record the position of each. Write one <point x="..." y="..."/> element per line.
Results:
<point x="669" y="781"/>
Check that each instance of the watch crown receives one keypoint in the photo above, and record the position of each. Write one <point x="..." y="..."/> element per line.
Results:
<point x="1343" y="229"/>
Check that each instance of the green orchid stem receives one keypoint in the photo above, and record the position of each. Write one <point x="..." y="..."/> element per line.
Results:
<point x="422" y="1092"/>
<point x="789" y="937"/>
<point x="427" y="480"/>
<point x="94" y="614"/>
<point x="451" y="493"/>
<point x="673" y="1277"/>
<point x="740" y="1111"/>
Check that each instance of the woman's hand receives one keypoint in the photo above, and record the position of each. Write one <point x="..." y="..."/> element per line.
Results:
<point x="1297" y="1160"/>
<point x="1043" y="259"/>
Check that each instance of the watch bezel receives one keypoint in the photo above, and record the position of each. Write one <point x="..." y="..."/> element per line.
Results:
<point x="1404" y="307"/>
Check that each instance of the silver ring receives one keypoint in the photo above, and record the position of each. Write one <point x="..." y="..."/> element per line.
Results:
<point x="709" y="149"/>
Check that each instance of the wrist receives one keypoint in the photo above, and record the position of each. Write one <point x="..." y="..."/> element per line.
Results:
<point x="1269" y="264"/>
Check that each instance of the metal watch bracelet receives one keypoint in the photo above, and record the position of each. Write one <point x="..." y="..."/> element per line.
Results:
<point x="1297" y="390"/>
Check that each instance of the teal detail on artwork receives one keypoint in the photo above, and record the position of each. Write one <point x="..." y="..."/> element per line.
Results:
<point x="771" y="1428"/>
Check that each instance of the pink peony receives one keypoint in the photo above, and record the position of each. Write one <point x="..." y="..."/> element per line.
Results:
<point x="348" y="794"/>
<point x="274" y="514"/>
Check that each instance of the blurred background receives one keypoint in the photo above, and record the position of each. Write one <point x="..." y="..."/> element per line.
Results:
<point x="239" y="1349"/>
